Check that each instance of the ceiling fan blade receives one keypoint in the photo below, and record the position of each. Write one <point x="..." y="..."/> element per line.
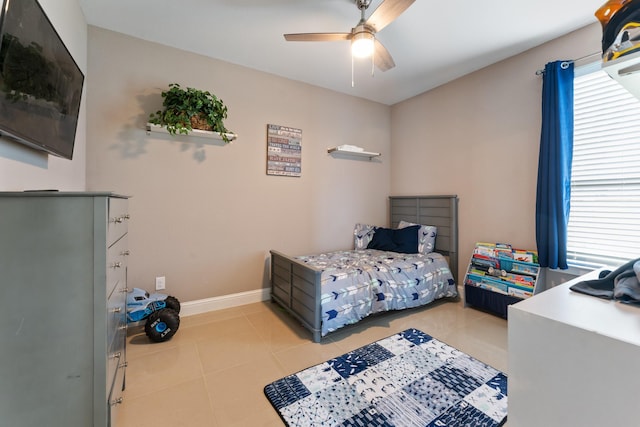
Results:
<point x="382" y="58"/>
<point x="317" y="37"/>
<point x="387" y="12"/>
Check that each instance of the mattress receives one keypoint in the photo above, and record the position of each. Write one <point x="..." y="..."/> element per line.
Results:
<point x="358" y="283"/>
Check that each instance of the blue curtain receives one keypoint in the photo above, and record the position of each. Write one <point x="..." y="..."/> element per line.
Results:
<point x="554" y="164"/>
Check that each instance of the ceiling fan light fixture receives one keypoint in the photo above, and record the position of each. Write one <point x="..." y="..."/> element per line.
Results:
<point x="362" y="44"/>
<point x="363" y="36"/>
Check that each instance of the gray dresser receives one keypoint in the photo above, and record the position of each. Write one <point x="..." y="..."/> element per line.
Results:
<point x="63" y="285"/>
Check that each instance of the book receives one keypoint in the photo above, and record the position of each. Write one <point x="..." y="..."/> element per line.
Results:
<point x="524" y="256"/>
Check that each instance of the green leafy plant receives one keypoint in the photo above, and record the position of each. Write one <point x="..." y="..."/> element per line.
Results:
<point x="188" y="109"/>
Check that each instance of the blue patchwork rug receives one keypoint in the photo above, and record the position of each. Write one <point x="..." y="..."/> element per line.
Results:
<point x="408" y="379"/>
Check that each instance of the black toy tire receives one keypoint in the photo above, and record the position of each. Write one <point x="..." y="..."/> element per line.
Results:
<point x="173" y="303"/>
<point x="161" y="325"/>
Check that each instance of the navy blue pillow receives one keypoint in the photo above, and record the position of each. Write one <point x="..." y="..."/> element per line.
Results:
<point x="403" y="240"/>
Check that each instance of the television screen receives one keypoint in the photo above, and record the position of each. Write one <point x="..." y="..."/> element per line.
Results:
<point x="40" y="82"/>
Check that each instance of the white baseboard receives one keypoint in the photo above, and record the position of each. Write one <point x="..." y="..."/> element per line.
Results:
<point x="206" y="305"/>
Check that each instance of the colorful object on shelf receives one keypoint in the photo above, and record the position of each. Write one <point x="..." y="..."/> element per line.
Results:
<point x="500" y="275"/>
<point x="500" y="268"/>
<point x="620" y="20"/>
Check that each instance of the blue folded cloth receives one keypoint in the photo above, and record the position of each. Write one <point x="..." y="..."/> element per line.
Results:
<point x="622" y="284"/>
<point x="626" y="287"/>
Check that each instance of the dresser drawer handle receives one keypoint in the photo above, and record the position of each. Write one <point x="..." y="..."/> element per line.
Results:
<point x="125" y="253"/>
<point x="123" y="365"/>
<point x="115" y="355"/>
<point x="117" y="310"/>
<point x="124" y="290"/>
<point x="116" y="264"/>
<point x="122" y="328"/>
<point x="117" y="401"/>
<point x="121" y="219"/>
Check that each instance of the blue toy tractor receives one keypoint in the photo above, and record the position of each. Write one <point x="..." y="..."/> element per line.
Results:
<point x="160" y="311"/>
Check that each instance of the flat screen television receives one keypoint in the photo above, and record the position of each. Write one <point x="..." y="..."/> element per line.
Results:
<point x="40" y="82"/>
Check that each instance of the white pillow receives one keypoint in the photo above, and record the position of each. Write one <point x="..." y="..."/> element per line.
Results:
<point x="362" y="235"/>
<point x="426" y="236"/>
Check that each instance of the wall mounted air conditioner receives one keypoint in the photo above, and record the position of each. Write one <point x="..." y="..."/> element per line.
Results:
<point x="626" y="70"/>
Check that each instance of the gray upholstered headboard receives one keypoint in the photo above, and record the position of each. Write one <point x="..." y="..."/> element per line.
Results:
<point x="441" y="211"/>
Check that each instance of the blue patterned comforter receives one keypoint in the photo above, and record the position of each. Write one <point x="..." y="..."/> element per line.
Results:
<point x="358" y="283"/>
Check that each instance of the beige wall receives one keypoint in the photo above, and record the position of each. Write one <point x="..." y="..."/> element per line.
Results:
<point x="206" y="215"/>
<point x="23" y="168"/>
<point x="478" y="137"/>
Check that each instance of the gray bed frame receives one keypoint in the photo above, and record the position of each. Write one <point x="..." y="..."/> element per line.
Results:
<point x="296" y="286"/>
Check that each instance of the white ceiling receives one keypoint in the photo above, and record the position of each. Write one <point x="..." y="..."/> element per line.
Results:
<point x="432" y="42"/>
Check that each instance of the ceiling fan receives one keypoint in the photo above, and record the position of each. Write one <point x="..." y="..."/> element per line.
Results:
<point x="363" y="35"/>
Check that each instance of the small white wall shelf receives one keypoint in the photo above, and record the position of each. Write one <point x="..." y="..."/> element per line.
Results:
<point x="337" y="150"/>
<point x="195" y="132"/>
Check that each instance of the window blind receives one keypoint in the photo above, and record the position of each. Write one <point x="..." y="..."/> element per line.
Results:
<point x="604" y="219"/>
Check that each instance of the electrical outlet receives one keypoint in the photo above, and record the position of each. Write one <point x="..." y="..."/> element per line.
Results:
<point x="160" y="283"/>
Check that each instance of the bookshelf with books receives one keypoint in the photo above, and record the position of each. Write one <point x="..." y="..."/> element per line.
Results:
<point x="499" y="275"/>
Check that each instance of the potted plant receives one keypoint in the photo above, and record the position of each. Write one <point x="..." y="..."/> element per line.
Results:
<point x="188" y="109"/>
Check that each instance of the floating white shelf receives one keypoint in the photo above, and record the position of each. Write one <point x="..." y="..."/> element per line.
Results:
<point x="195" y="132"/>
<point x="338" y="150"/>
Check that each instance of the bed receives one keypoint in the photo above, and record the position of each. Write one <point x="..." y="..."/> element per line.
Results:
<point x="328" y="291"/>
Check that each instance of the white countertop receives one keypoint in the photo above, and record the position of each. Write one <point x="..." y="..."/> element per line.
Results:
<point x="605" y="317"/>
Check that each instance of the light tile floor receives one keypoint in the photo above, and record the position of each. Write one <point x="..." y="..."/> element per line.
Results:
<point x="212" y="372"/>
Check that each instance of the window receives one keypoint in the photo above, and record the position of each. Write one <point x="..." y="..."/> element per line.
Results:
<point x="604" y="220"/>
